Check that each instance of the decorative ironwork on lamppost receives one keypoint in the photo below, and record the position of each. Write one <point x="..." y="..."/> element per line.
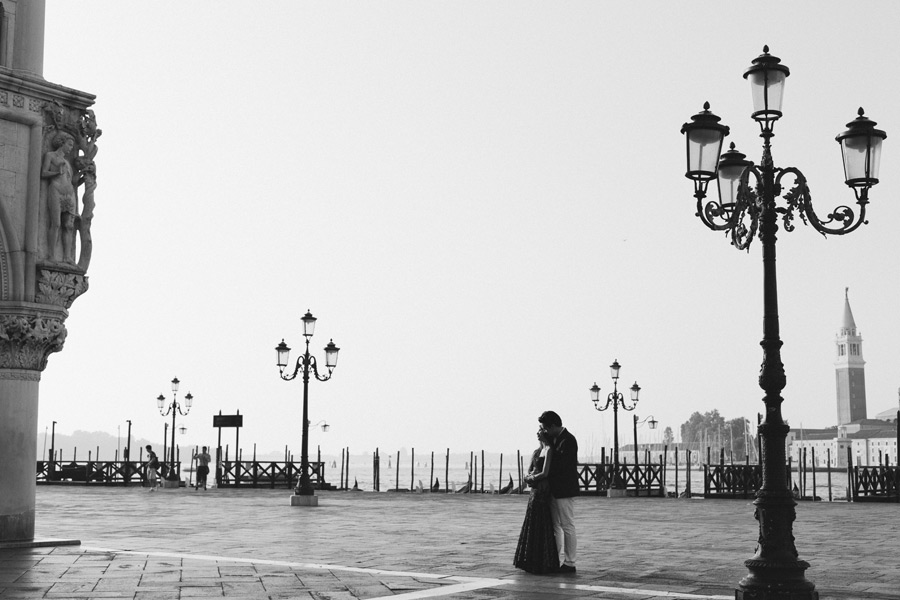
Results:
<point x="615" y="399"/>
<point x="746" y="208"/>
<point x="306" y="363"/>
<point x="174" y="407"/>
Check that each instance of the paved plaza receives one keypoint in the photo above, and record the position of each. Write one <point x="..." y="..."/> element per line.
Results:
<point x="252" y="544"/>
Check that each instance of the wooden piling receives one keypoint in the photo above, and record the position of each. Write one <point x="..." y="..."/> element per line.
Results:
<point x="676" y="471"/>
<point x="813" y="461"/>
<point x="687" y="476"/>
<point x="519" y="468"/>
<point x="482" y="471"/>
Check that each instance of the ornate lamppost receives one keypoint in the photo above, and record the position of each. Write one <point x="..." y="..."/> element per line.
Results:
<point x="174" y="407"/>
<point x="747" y="207"/>
<point x="304" y="494"/>
<point x="615" y="399"/>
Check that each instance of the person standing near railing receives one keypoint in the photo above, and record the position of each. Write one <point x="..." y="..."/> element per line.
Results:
<point x="202" y="459"/>
<point x="152" y="466"/>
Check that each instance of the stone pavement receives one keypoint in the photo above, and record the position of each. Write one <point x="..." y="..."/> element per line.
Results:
<point x="252" y="544"/>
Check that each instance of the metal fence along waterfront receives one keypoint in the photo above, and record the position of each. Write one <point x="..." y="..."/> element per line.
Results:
<point x="879" y="483"/>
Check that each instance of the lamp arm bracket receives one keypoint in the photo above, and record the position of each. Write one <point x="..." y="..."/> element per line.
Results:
<point x="315" y="370"/>
<point x="748" y="207"/>
<point x="840" y="221"/>
<point x="715" y="215"/>
<point x="609" y="402"/>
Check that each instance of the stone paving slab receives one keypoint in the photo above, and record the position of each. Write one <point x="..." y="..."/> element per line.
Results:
<point x="181" y="543"/>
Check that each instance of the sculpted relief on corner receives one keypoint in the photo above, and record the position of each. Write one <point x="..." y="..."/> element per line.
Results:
<point x="68" y="181"/>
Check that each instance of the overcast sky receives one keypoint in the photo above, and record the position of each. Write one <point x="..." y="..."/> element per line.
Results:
<point x="483" y="203"/>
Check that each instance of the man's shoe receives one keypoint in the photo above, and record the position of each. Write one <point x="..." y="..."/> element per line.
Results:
<point x="566" y="569"/>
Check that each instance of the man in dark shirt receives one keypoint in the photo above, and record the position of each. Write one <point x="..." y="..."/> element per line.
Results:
<point x="563" y="488"/>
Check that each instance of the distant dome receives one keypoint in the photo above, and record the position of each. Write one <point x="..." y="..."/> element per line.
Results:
<point x="887" y="415"/>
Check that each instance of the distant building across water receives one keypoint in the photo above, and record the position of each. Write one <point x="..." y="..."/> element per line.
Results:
<point x="871" y="441"/>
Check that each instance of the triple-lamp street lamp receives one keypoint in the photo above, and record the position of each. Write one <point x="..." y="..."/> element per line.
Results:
<point x="305" y="495"/>
<point x="615" y="399"/>
<point x="174" y="407"/>
<point x="745" y="210"/>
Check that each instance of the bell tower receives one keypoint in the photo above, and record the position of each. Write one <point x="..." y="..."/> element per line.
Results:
<point x="849" y="366"/>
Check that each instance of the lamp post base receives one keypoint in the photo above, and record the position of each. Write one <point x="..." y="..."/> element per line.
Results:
<point x="171" y="483"/>
<point x="304" y="500"/>
<point x="616" y="493"/>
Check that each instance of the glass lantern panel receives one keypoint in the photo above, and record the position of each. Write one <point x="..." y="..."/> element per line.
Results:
<point x="331" y="355"/>
<point x="875" y="157"/>
<point x="704" y="147"/>
<point x="284" y="354"/>
<point x="729" y="182"/>
<point x="767" y="88"/>
<point x="309" y="324"/>
<point x="854" y="150"/>
<point x="635" y="392"/>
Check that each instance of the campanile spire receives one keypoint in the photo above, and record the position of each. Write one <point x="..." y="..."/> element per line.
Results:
<point x="850" y="375"/>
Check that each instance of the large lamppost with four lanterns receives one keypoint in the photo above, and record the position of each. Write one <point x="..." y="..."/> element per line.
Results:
<point x="746" y="208"/>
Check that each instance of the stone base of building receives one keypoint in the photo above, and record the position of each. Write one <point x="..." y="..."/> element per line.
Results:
<point x="304" y="500"/>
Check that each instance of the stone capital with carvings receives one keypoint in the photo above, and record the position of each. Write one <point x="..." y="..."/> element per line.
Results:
<point x="29" y="335"/>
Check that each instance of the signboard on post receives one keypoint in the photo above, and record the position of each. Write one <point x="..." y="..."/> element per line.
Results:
<point x="228" y="420"/>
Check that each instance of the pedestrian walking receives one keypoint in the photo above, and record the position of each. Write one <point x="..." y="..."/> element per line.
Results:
<point x="563" y="488"/>
<point x="152" y="466"/>
<point x="202" y="459"/>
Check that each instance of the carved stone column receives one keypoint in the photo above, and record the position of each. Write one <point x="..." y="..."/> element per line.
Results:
<point x="47" y="179"/>
<point x="28" y="335"/>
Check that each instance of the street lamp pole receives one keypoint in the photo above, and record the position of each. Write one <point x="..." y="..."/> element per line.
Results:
<point x="174" y="407"/>
<point x="615" y="399"/>
<point x="52" y="457"/>
<point x="304" y="494"/>
<point x="745" y="210"/>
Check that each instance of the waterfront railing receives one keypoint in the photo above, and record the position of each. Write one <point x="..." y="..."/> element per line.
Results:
<point x="94" y="472"/>
<point x="270" y="474"/>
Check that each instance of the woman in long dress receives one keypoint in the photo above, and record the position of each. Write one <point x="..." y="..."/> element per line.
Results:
<point x="536" y="551"/>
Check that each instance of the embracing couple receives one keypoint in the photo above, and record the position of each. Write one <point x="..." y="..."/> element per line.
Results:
<point x="547" y="543"/>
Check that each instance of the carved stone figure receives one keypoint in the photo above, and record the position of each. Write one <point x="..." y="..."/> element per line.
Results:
<point x="60" y="199"/>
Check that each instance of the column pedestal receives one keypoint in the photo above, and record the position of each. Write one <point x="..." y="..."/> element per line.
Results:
<point x="304" y="500"/>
